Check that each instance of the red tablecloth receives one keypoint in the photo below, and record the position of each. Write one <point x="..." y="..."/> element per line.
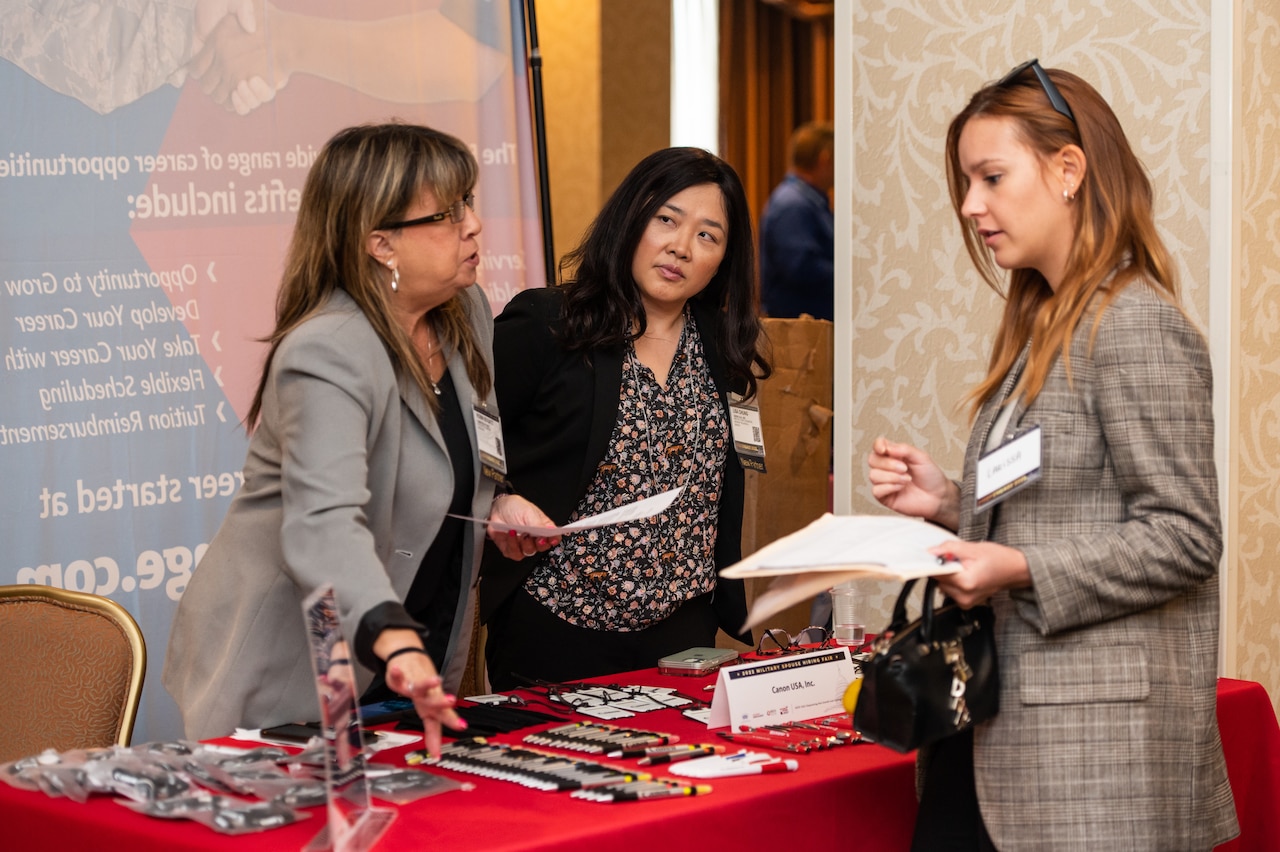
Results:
<point x="1251" y="743"/>
<point x="855" y="797"/>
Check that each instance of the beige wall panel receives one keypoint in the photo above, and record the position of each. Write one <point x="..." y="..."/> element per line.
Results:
<point x="635" y="96"/>
<point x="607" y="95"/>
<point x="1256" y="406"/>
<point x="569" y="39"/>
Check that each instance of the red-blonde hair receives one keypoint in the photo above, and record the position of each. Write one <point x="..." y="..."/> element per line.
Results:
<point x="1114" y="243"/>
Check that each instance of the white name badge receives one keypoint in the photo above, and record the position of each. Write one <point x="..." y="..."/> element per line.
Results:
<point x="748" y="436"/>
<point x="1007" y="469"/>
<point x="493" y="455"/>
<point x="792" y="688"/>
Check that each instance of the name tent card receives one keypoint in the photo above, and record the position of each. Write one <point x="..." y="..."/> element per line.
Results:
<point x="794" y="687"/>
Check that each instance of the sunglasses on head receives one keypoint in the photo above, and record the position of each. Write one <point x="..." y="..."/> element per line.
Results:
<point x="1056" y="99"/>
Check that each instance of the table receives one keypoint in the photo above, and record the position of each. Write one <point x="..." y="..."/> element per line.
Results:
<point x="855" y="797"/>
<point x="1251" y="744"/>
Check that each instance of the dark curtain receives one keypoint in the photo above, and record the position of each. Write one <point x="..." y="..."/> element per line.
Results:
<point x="776" y="72"/>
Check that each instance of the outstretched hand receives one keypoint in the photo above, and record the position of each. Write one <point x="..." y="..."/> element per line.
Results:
<point x="414" y="676"/>
<point x="909" y="482"/>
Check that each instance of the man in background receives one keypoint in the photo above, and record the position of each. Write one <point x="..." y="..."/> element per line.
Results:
<point x="797" y="231"/>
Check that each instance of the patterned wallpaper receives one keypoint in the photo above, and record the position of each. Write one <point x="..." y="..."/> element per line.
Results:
<point x="922" y="318"/>
<point x="1256" y="398"/>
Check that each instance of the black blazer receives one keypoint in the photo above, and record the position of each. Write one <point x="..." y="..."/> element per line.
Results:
<point x="558" y="410"/>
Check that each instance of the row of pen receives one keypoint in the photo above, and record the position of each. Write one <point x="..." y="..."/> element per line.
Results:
<point x="596" y="781"/>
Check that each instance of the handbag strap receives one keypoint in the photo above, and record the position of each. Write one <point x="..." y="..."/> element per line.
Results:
<point x="900" y="618"/>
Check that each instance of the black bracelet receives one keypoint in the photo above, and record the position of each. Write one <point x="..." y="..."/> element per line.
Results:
<point x="411" y="649"/>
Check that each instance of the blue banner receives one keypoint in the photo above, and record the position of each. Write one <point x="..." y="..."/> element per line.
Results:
<point x="151" y="161"/>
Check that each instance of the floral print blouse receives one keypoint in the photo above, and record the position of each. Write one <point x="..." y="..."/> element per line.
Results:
<point x="628" y="576"/>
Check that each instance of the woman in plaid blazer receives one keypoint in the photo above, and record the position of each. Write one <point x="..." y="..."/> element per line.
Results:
<point x="1103" y="570"/>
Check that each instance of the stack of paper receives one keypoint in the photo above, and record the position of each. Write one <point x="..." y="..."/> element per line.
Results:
<point x="836" y="548"/>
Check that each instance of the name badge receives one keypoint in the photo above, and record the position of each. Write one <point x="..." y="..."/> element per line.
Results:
<point x="748" y="437"/>
<point x="1007" y="469"/>
<point x="794" y="687"/>
<point x="493" y="455"/>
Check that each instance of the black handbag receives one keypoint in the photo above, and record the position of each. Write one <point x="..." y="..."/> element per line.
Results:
<point x="931" y="678"/>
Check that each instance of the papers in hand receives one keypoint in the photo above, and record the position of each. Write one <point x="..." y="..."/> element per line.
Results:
<point x="646" y="508"/>
<point x="836" y="548"/>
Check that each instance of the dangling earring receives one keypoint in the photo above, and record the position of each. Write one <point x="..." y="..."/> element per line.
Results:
<point x="395" y="278"/>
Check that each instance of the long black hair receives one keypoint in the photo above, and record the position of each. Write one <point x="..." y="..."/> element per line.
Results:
<point x="602" y="305"/>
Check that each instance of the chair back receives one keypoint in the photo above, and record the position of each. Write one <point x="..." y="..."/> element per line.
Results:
<point x="71" y="671"/>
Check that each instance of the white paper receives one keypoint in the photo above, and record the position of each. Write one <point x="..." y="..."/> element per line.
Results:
<point x="641" y="509"/>
<point x="836" y="548"/>
<point x="885" y="545"/>
<point x="604" y="711"/>
<point x="791" y="687"/>
<point x="700" y="714"/>
<point x="725" y="766"/>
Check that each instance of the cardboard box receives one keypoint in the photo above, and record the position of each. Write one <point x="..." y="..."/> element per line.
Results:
<point x="795" y="414"/>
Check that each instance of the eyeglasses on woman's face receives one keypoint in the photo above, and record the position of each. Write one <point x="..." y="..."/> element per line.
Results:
<point x="455" y="214"/>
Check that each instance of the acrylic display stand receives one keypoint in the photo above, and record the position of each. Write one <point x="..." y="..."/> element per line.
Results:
<point x="353" y="824"/>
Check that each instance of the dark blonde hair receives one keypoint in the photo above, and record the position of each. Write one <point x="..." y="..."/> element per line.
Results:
<point x="1114" y="243"/>
<point x="365" y="176"/>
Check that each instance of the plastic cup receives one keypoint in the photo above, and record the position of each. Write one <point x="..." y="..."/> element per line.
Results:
<point x="846" y="616"/>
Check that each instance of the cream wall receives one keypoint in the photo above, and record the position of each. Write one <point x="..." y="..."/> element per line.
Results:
<point x="1254" y="507"/>
<point x="916" y="320"/>
<point x="569" y="39"/>
<point x="607" y="95"/>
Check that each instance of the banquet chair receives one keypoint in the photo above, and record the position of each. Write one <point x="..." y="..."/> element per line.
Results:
<point x="71" y="670"/>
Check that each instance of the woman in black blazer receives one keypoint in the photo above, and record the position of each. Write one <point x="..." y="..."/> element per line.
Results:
<point x="613" y="387"/>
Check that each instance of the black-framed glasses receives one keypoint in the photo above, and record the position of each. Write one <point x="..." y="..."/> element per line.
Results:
<point x="1056" y="100"/>
<point x="456" y="213"/>
<point x="775" y="640"/>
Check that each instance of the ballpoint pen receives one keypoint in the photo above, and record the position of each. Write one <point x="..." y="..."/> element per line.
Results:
<point x="698" y="790"/>
<point x="639" y="795"/>
<point x="650" y="751"/>
<point x="765" y="740"/>
<point x="677" y="756"/>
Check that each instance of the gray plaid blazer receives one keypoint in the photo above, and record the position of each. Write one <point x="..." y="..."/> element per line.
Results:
<point x="1107" y="735"/>
<point x="368" y="484"/>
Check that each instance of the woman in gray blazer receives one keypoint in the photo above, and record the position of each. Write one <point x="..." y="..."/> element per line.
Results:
<point x="1088" y="507"/>
<point x="364" y="437"/>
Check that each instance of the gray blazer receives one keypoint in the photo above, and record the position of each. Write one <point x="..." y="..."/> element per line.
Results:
<point x="346" y="482"/>
<point x="1107" y="736"/>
